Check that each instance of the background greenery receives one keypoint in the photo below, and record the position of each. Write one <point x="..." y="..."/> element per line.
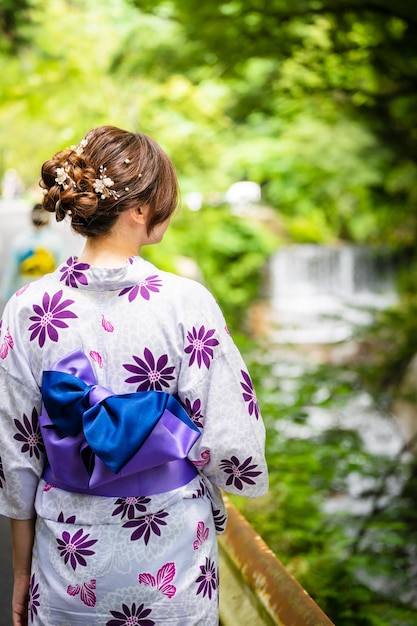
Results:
<point x="316" y="101"/>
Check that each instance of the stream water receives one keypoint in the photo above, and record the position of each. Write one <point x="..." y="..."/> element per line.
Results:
<point x="319" y="296"/>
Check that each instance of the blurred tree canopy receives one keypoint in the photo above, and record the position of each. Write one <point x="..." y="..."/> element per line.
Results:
<point x="303" y="75"/>
<point x="313" y="99"/>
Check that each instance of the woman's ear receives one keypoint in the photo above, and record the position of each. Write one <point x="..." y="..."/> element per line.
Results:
<point x="139" y="215"/>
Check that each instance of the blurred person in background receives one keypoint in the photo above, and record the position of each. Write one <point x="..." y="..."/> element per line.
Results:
<point x="32" y="254"/>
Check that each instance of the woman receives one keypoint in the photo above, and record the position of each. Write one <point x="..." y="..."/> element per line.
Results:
<point x="125" y="409"/>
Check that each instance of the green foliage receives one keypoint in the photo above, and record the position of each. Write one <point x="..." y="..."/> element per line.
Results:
<point x="14" y="17"/>
<point x="230" y="251"/>
<point x="343" y="74"/>
<point x="356" y="560"/>
<point x="310" y="100"/>
<point x="387" y="348"/>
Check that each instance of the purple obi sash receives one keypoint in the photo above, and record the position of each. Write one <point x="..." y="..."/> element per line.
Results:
<point x="103" y="444"/>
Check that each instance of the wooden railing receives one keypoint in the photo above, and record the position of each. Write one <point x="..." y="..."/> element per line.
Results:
<point x="255" y="587"/>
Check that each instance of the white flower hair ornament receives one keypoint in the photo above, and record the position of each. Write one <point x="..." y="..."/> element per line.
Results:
<point x="102" y="185"/>
<point x="61" y="177"/>
<point x="80" y="148"/>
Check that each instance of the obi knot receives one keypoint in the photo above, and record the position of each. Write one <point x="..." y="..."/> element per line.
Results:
<point x="114" y="426"/>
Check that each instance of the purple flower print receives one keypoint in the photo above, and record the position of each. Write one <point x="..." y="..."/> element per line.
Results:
<point x="30" y="435"/>
<point x="147" y="525"/>
<point x="249" y="394"/>
<point x="239" y="472"/>
<point x="33" y="598"/>
<point x="75" y="548"/>
<point x="207" y="579"/>
<point x="131" y="616"/>
<point x="50" y="314"/>
<point x="220" y="520"/>
<point x="73" y="272"/>
<point x="200" y="491"/>
<point x="130" y="505"/>
<point x="193" y="411"/>
<point x="144" y="288"/>
<point x="150" y="375"/>
<point x="69" y="520"/>
<point x="2" y="476"/>
<point x="200" y="346"/>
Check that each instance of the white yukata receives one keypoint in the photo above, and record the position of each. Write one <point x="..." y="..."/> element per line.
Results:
<point x="110" y="551"/>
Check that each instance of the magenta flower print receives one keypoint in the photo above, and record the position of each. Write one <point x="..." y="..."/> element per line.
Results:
<point x="201" y="344"/>
<point x="147" y="525"/>
<point x="202" y="535"/>
<point x="108" y="326"/>
<point x="7" y="344"/>
<point x="249" y="394"/>
<point x="144" y="288"/>
<point x="34" y="603"/>
<point x="150" y="374"/>
<point x="193" y="411"/>
<point x="239" y="472"/>
<point x="162" y="581"/>
<point x="131" y="616"/>
<point x="22" y="290"/>
<point x="203" y="460"/>
<point x="208" y="579"/>
<point x="130" y="506"/>
<point x="85" y="591"/>
<point x="49" y="317"/>
<point x="96" y="356"/>
<point x="73" y="273"/>
<point x="30" y="435"/>
<point x="75" y="548"/>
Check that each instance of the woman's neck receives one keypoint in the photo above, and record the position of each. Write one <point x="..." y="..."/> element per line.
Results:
<point x="108" y="251"/>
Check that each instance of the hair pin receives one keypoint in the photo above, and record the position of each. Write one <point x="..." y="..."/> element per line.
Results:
<point x="102" y="185"/>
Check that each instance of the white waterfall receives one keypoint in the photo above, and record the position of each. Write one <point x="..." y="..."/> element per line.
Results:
<point x="319" y="294"/>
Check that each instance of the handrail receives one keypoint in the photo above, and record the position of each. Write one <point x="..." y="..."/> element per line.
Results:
<point x="255" y="587"/>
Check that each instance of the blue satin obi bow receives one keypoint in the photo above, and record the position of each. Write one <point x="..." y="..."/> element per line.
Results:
<point x="106" y="444"/>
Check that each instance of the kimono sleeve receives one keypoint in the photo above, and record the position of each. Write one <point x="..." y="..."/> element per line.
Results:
<point x="22" y="453"/>
<point x="218" y="394"/>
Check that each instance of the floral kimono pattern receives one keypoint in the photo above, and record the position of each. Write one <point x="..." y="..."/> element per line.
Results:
<point x="108" y="550"/>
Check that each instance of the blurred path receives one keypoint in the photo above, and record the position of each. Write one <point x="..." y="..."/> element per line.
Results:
<point x="6" y="579"/>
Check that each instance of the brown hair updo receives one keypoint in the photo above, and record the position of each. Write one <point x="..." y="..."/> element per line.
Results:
<point x="141" y="173"/>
